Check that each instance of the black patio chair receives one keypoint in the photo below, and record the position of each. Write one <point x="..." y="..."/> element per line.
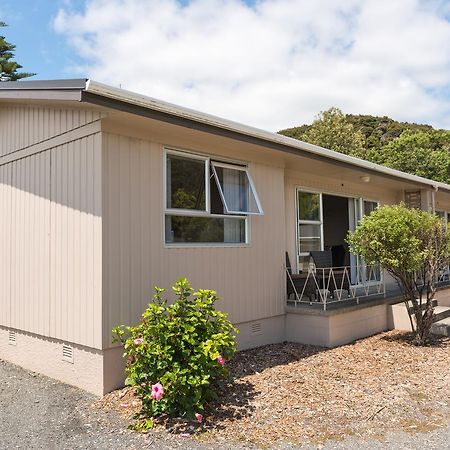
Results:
<point x="329" y="277"/>
<point x="299" y="282"/>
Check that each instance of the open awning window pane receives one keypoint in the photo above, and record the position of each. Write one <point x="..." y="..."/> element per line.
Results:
<point x="236" y="189"/>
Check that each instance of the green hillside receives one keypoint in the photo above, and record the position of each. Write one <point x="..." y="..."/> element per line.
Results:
<point x="377" y="130"/>
<point x="414" y="148"/>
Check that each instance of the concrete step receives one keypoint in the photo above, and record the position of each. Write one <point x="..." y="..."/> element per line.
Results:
<point x="441" y="312"/>
<point x="424" y="305"/>
<point x="442" y="327"/>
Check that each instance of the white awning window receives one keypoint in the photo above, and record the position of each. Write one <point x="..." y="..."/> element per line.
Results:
<point x="236" y="189"/>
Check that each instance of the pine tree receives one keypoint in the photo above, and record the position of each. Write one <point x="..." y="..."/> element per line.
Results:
<point x="9" y="67"/>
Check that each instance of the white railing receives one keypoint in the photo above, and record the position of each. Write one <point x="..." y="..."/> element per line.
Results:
<point x="443" y="276"/>
<point x="334" y="284"/>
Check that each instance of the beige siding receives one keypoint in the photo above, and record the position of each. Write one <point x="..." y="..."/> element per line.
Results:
<point x="250" y="279"/>
<point x="75" y="312"/>
<point x="22" y="126"/>
<point x="25" y="207"/>
<point x="50" y="272"/>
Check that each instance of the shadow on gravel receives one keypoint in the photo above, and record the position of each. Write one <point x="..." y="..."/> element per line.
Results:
<point x="258" y="359"/>
<point x="236" y="397"/>
<point x="407" y="338"/>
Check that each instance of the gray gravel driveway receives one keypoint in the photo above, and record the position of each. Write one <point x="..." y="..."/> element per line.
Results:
<point x="39" y="413"/>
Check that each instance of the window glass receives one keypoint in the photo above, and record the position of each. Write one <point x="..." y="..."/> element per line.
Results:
<point x="236" y="190"/>
<point x="308" y="206"/>
<point x="185" y="187"/>
<point x="184" y="229"/>
<point x="369" y="207"/>
<point x="309" y="231"/>
<point x="215" y="198"/>
<point x="442" y="215"/>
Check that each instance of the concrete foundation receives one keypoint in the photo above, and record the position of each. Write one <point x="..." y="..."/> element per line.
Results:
<point x="331" y="330"/>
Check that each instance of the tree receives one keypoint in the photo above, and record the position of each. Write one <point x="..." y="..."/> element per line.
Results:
<point x="332" y="130"/>
<point x="8" y="67"/>
<point x="411" y="245"/>
<point x="423" y="153"/>
<point x="409" y="147"/>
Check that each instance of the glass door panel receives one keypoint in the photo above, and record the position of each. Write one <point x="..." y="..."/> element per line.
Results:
<point x="360" y="273"/>
<point x="309" y="226"/>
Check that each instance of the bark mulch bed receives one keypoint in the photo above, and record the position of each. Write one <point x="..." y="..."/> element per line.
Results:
<point x="299" y="393"/>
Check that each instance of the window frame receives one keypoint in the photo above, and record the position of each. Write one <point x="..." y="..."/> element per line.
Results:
<point x="213" y="164"/>
<point x="299" y="222"/>
<point x="188" y="212"/>
<point x="200" y="213"/>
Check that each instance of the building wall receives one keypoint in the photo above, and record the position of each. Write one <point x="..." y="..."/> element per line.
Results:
<point x="250" y="279"/>
<point x="44" y="355"/>
<point x="25" y="125"/>
<point x="50" y="217"/>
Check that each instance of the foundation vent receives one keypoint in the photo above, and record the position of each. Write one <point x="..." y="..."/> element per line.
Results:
<point x="12" y="338"/>
<point x="67" y="353"/>
<point x="256" y="328"/>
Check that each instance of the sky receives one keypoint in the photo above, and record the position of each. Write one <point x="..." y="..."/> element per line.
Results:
<point x="272" y="64"/>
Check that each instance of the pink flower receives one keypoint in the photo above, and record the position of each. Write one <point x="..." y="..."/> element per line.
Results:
<point x="221" y="360"/>
<point x="138" y="341"/>
<point x="157" y="391"/>
<point x="199" y="417"/>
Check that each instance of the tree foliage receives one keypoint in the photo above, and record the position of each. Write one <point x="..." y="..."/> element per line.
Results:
<point x="409" y="147"/>
<point x="9" y="69"/>
<point x="423" y="153"/>
<point x="413" y="246"/>
<point x="332" y="130"/>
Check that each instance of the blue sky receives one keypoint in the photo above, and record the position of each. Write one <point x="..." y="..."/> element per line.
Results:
<point x="267" y="63"/>
<point x="38" y="47"/>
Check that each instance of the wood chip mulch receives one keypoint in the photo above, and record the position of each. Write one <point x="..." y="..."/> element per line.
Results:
<point x="300" y="393"/>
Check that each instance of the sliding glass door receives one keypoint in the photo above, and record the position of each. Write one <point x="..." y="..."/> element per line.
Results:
<point x="322" y="221"/>
<point x="360" y="272"/>
<point x="309" y="226"/>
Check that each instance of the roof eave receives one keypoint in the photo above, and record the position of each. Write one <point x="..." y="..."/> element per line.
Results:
<point x="127" y="101"/>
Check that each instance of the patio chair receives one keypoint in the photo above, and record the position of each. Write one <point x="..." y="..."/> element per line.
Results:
<point x="299" y="282"/>
<point x="329" y="277"/>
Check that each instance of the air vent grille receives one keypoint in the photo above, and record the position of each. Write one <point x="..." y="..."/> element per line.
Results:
<point x="67" y="353"/>
<point x="12" y="338"/>
<point x="256" y="328"/>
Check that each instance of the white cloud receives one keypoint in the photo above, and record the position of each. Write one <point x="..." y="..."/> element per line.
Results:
<point x="274" y="64"/>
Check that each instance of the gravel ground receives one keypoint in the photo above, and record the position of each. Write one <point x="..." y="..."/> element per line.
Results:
<point x="39" y="413"/>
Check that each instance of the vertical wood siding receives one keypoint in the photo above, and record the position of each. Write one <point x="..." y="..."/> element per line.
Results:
<point x="25" y="211"/>
<point x="249" y="279"/>
<point x="75" y="257"/>
<point x="22" y="126"/>
<point x="50" y="242"/>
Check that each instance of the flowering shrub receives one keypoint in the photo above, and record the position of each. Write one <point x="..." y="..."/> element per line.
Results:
<point x="176" y="355"/>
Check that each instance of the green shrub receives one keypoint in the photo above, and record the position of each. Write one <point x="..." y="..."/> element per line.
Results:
<point x="413" y="246"/>
<point x="176" y="355"/>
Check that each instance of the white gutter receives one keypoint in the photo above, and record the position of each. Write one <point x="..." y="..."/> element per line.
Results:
<point x="182" y="112"/>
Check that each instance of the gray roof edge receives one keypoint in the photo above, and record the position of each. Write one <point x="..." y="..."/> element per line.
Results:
<point x="32" y="85"/>
<point x="170" y="108"/>
<point x="122" y="95"/>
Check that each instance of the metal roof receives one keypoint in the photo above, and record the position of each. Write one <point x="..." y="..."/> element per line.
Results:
<point x="121" y="99"/>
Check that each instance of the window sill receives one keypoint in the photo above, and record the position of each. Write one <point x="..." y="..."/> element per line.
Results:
<point x="206" y="245"/>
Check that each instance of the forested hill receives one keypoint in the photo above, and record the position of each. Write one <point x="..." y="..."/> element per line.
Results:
<point x="376" y="130"/>
<point x="413" y="148"/>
